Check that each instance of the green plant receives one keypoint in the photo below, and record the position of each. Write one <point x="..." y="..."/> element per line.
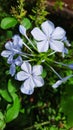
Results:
<point x="39" y="12"/>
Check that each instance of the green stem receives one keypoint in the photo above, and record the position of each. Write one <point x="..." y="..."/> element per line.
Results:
<point x="53" y="70"/>
<point x="35" y="126"/>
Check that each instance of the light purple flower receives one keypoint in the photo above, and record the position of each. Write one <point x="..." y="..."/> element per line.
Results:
<point x="15" y="62"/>
<point x="59" y="82"/>
<point x="49" y="37"/>
<point x="31" y="77"/>
<point x="12" y="48"/>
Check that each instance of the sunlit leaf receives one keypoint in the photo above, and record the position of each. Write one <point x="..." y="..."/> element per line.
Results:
<point x="2" y="122"/>
<point x="13" y="111"/>
<point x="6" y="95"/>
<point x="11" y="87"/>
<point x="8" y="22"/>
<point x="26" y="23"/>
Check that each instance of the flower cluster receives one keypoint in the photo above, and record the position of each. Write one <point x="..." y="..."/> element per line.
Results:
<point x="46" y="41"/>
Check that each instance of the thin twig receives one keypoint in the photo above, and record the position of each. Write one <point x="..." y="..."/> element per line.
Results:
<point x="34" y="126"/>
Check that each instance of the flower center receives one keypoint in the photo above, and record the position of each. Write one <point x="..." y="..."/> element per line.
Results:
<point x="48" y="38"/>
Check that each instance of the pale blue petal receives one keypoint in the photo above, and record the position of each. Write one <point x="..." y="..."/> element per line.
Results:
<point x="16" y="38"/>
<point x="13" y="46"/>
<point x="17" y="41"/>
<point x="20" y="43"/>
<point x="58" y="34"/>
<point x="59" y="82"/>
<point x="21" y="76"/>
<point x="22" y="30"/>
<point x="12" y="69"/>
<point x="66" y="41"/>
<point x="26" y="67"/>
<point x="37" y="70"/>
<point x="57" y="46"/>
<point x="27" y="87"/>
<point x="38" y="34"/>
<point x="38" y="80"/>
<point x="10" y="59"/>
<point x="9" y="45"/>
<point x="18" y="61"/>
<point x="65" y="50"/>
<point x="42" y="46"/>
<point x="6" y="53"/>
<point x="47" y="27"/>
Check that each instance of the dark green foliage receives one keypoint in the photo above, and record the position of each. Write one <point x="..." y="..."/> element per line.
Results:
<point x="67" y="104"/>
<point x="46" y="109"/>
<point x="39" y="12"/>
<point x="59" y="4"/>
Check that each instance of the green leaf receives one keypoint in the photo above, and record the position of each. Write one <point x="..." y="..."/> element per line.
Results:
<point x="2" y="125"/>
<point x="13" y="110"/>
<point x="44" y="73"/>
<point x="8" y="22"/>
<point x="11" y="87"/>
<point x="2" y="122"/>
<point x="5" y="95"/>
<point x="26" y="23"/>
<point x="53" y="128"/>
<point x="67" y="104"/>
<point x="1" y="116"/>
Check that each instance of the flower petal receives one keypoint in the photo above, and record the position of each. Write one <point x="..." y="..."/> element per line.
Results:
<point x="21" y="76"/>
<point x="12" y="69"/>
<point x="47" y="27"/>
<point x="18" y="42"/>
<point x="66" y="42"/>
<point x="59" y="82"/>
<point x="38" y="80"/>
<point x="26" y="67"/>
<point x="59" y="33"/>
<point x="66" y="78"/>
<point x="27" y="87"/>
<point x="18" y="61"/>
<point x="38" y="34"/>
<point x="22" y="30"/>
<point x="57" y="46"/>
<point x="37" y="70"/>
<point x="43" y="46"/>
<point x="9" y="45"/>
<point x="10" y="59"/>
<point x="6" y="53"/>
